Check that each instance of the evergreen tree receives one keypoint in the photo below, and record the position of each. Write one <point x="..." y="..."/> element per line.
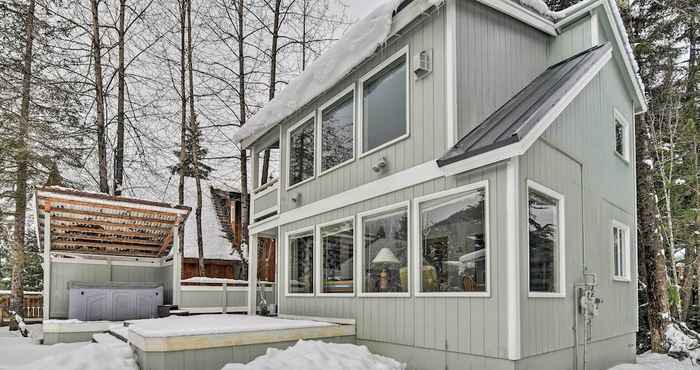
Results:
<point x="193" y="139"/>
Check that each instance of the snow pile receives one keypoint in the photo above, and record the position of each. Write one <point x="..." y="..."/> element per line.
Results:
<point x="91" y="356"/>
<point x="655" y="361"/>
<point x="359" y="43"/>
<point x="316" y="355"/>
<point x="173" y="326"/>
<point x="208" y="280"/>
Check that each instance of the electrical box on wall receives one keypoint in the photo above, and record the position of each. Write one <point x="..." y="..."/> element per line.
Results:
<point x="423" y="63"/>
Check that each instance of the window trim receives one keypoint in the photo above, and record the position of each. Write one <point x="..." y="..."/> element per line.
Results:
<point x="288" y="147"/>
<point x="319" y="129"/>
<point x="359" y="249"/>
<point x="402" y="53"/>
<point x="463" y="190"/>
<point x="287" y="237"/>
<point x="619" y="117"/>
<point x="561" y="208"/>
<point x="319" y="251"/>
<point x="263" y="189"/>
<point x="626" y="251"/>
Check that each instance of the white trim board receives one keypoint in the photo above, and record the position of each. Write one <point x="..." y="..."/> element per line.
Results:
<point x="513" y="260"/>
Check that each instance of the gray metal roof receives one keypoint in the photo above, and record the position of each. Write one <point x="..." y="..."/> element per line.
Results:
<point x="516" y="118"/>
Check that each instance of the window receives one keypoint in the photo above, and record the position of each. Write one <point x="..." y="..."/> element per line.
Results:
<point x="337" y="249"/>
<point x="453" y="244"/>
<point x="621" y="136"/>
<point x="337" y="131"/>
<point x="620" y="251"/>
<point x="546" y="247"/>
<point x="384" y="252"/>
<point x="301" y="152"/>
<point x="300" y="268"/>
<point x="384" y="105"/>
<point x="269" y="164"/>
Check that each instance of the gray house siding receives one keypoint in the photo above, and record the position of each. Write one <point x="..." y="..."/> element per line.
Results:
<point x="496" y="57"/>
<point x="459" y="324"/>
<point x="576" y="158"/>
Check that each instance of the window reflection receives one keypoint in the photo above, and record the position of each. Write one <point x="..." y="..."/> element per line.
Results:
<point x="301" y="263"/>
<point x="301" y="153"/>
<point x="384" y="106"/>
<point x="337" y="141"/>
<point x="337" y="242"/>
<point x="544" y="242"/>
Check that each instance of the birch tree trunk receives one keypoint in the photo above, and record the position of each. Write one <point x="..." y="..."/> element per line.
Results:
<point x="119" y="150"/>
<point x="17" y="286"/>
<point x="99" y="100"/>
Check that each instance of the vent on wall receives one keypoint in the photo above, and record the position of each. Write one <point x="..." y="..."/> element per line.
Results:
<point x="423" y="63"/>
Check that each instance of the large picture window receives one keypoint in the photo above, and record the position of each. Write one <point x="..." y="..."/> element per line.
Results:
<point x="545" y="233"/>
<point x="384" y="105"/>
<point x="453" y="244"/>
<point x="384" y="249"/>
<point x="301" y="152"/>
<point x="337" y="132"/>
<point x="620" y="251"/>
<point x="300" y="269"/>
<point x="337" y="249"/>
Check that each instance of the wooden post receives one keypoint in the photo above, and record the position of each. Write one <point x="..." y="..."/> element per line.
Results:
<point x="252" y="274"/>
<point x="177" y="268"/>
<point x="47" y="262"/>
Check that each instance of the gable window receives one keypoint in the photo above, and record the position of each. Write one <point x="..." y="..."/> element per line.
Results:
<point x="384" y="251"/>
<point x="384" y="104"/>
<point x="453" y="254"/>
<point x="620" y="251"/>
<point x="545" y="241"/>
<point x="621" y="131"/>
<point x="337" y="249"/>
<point x="300" y="263"/>
<point x="337" y="131"/>
<point x="301" y="151"/>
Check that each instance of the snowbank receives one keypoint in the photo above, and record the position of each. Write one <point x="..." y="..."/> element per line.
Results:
<point x="91" y="356"/>
<point x="359" y="43"/>
<point x="316" y="355"/>
<point x="173" y="326"/>
<point x="655" y="361"/>
<point x="208" y="280"/>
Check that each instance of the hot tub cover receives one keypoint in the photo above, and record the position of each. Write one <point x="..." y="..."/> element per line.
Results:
<point x="113" y="285"/>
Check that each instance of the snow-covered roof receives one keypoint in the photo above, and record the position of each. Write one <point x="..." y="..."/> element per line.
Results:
<point x="216" y="243"/>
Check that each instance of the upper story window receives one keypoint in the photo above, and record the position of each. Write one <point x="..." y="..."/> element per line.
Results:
<point x="620" y="251"/>
<point x="546" y="241"/>
<point x="621" y="131"/>
<point x="337" y="257"/>
<point x="300" y="144"/>
<point x="300" y="262"/>
<point x="384" y="251"/>
<point x="269" y="164"/>
<point x="384" y="104"/>
<point x="453" y="253"/>
<point x="338" y="131"/>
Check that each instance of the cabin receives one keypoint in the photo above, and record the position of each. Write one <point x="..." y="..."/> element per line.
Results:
<point x="457" y="179"/>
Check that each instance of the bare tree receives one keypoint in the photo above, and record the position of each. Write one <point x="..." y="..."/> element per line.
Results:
<point x="119" y="150"/>
<point x="99" y="99"/>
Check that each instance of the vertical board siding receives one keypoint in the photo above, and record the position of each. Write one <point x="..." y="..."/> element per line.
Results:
<point x="462" y="324"/>
<point x="584" y="131"/>
<point x="496" y="57"/>
<point x="574" y="39"/>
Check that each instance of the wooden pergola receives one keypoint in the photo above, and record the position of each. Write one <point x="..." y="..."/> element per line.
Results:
<point x="100" y="224"/>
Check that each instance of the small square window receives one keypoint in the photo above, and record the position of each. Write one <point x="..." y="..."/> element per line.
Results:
<point x="619" y="138"/>
<point x="621" y="130"/>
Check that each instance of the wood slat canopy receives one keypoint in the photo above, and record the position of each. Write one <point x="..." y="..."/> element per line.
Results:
<point x="101" y="224"/>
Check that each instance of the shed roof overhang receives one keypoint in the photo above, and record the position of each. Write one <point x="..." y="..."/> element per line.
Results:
<point x="515" y="126"/>
<point x="101" y="224"/>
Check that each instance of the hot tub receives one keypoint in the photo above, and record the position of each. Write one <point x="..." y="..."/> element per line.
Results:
<point x="113" y="301"/>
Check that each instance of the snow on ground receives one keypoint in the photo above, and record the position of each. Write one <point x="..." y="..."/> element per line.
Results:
<point x="172" y="326"/>
<point x="208" y="280"/>
<point x="655" y="361"/>
<point x="19" y="353"/>
<point x="316" y="355"/>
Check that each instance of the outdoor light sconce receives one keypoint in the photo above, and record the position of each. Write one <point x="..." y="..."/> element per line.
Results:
<point x="380" y="165"/>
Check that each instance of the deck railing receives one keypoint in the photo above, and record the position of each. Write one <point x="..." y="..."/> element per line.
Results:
<point x="33" y="307"/>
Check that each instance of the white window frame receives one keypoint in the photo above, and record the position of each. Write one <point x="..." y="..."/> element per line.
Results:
<point x="561" y="209"/>
<point x="287" y="237"/>
<point x="288" y="147"/>
<point x="319" y="129"/>
<point x="463" y="190"/>
<point x="403" y="53"/>
<point x="261" y="190"/>
<point x="626" y="248"/>
<point x="319" y="253"/>
<point x="360" y="249"/>
<point x="619" y="118"/>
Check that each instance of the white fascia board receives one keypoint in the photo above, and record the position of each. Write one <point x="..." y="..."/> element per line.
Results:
<point x="520" y="147"/>
<point x="522" y="14"/>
